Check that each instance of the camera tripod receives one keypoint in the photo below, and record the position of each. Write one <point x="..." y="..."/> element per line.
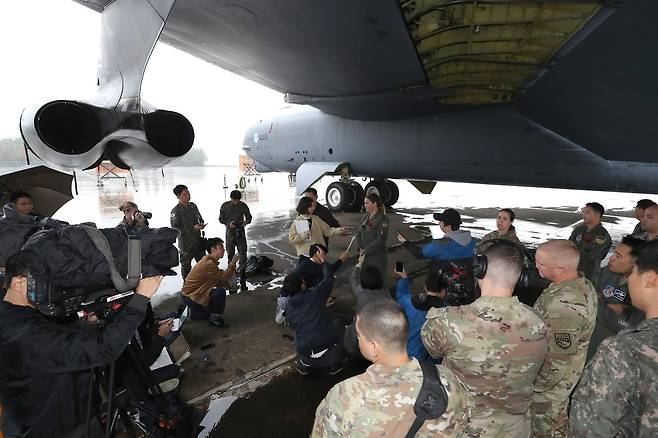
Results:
<point x="119" y="400"/>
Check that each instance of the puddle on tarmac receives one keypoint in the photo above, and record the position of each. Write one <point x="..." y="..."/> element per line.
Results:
<point x="285" y="407"/>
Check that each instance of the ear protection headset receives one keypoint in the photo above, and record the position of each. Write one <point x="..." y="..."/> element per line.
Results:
<point x="480" y="262"/>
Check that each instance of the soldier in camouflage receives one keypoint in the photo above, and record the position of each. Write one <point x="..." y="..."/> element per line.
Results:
<point x="185" y="217"/>
<point x="380" y="402"/>
<point x="650" y="224"/>
<point x="615" y="311"/>
<point x="618" y="396"/>
<point x="235" y="215"/>
<point x="495" y="346"/>
<point x="593" y="241"/>
<point x="568" y="307"/>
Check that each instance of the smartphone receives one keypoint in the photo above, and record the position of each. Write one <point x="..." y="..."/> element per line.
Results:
<point x="175" y="325"/>
<point x="399" y="267"/>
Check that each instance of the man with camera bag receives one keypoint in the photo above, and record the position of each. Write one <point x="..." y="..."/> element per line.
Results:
<point x="235" y="215"/>
<point x="44" y="384"/>
<point x="495" y="346"/>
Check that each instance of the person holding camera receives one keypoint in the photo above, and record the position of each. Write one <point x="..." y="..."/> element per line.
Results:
<point x="133" y="217"/>
<point x="235" y="215"/>
<point x="496" y="346"/>
<point x="204" y="289"/>
<point x="44" y="384"/>
<point x="416" y="306"/>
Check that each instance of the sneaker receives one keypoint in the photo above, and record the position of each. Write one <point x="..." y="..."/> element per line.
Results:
<point x="302" y="368"/>
<point x="220" y="323"/>
<point x="280" y="316"/>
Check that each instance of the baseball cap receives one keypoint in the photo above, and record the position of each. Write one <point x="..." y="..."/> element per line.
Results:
<point x="449" y="216"/>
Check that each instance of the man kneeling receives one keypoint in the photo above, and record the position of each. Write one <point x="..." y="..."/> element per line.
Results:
<point x="380" y="402"/>
<point x="204" y="288"/>
<point x="316" y="334"/>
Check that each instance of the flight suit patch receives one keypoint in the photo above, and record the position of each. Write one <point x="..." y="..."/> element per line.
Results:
<point x="599" y="240"/>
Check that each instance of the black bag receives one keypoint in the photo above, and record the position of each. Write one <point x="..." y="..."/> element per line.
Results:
<point x="258" y="265"/>
<point x="432" y="400"/>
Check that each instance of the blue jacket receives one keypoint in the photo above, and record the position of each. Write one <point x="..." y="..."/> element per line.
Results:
<point x="416" y="318"/>
<point x="454" y="245"/>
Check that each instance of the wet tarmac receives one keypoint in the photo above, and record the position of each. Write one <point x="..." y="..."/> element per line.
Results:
<point x="246" y="380"/>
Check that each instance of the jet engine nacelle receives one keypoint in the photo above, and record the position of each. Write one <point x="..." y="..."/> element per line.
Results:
<point x="71" y="135"/>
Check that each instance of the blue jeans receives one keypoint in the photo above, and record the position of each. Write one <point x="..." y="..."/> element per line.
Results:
<point x="216" y="305"/>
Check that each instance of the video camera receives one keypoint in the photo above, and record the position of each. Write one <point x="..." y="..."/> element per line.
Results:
<point x="460" y="284"/>
<point x="79" y="267"/>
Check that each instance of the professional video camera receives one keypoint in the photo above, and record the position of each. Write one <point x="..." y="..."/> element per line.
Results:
<point x="76" y="267"/>
<point x="460" y="289"/>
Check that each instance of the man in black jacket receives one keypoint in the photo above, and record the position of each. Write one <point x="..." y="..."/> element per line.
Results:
<point x="316" y="334"/>
<point x="45" y="366"/>
<point x="310" y="270"/>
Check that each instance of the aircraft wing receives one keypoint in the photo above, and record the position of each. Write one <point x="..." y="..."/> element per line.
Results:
<point x="584" y="69"/>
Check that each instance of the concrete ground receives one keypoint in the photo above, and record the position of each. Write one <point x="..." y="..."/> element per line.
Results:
<point x="254" y="344"/>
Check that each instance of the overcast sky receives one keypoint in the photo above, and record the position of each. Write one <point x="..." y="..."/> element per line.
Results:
<point x="49" y="50"/>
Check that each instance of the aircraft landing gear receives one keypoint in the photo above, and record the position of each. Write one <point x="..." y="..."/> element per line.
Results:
<point x="386" y="189"/>
<point x="344" y="196"/>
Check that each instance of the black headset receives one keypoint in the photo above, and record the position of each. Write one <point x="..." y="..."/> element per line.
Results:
<point x="480" y="262"/>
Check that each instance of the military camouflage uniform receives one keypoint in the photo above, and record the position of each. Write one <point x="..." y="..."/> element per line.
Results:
<point x="183" y="218"/>
<point x="618" y="396"/>
<point x="484" y="243"/>
<point x="230" y="212"/>
<point x="495" y="346"/>
<point x="371" y="237"/>
<point x="612" y="289"/>
<point x="593" y="246"/>
<point x="569" y="311"/>
<point x="637" y="230"/>
<point x="380" y="403"/>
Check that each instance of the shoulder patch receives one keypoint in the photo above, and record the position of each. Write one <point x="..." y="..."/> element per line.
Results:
<point x="172" y="215"/>
<point x="563" y="340"/>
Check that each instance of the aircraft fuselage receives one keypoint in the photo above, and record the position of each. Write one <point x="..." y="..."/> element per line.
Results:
<point x="495" y="145"/>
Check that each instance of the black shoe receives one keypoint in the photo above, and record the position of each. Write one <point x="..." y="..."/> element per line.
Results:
<point x="244" y="288"/>
<point x="302" y="368"/>
<point x="220" y="323"/>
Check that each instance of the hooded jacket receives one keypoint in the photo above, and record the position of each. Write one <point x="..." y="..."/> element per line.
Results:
<point x="456" y="244"/>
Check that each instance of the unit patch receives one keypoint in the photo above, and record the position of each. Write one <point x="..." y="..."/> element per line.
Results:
<point x="563" y="340"/>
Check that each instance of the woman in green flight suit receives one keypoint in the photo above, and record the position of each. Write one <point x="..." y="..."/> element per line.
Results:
<point x="372" y="234"/>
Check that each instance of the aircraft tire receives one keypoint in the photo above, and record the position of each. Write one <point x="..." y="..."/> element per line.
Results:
<point x="339" y="196"/>
<point x="395" y="193"/>
<point x="359" y="194"/>
<point x="382" y="190"/>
